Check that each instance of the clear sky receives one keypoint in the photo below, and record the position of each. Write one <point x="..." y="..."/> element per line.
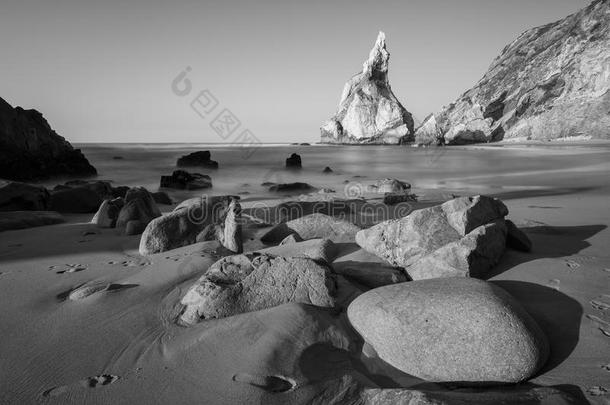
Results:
<point x="101" y="71"/>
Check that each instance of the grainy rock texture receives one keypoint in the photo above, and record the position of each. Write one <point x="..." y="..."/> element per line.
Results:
<point x="368" y="111"/>
<point x="313" y="226"/>
<point x="456" y="330"/>
<point x="251" y="282"/>
<point x="30" y="149"/>
<point x="464" y="237"/>
<point x="551" y="82"/>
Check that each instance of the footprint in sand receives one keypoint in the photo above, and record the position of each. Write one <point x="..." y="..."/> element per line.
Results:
<point x="69" y="268"/>
<point x="599" y="304"/>
<point x="572" y="264"/>
<point x="603" y="326"/>
<point x="554" y="284"/>
<point x="597" y="391"/>
<point x="89" y="382"/>
<point x="270" y="383"/>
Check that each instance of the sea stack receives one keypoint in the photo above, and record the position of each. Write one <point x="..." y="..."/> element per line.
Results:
<point x="369" y="113"/>
<point x="31" y="150"/>
<point x="551" y="82"/>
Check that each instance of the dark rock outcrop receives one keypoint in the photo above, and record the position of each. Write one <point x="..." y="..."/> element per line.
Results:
<point x="368" y="111"/>
<point x="79" y="199"/>
<point x="15" y="196"/>
<point x="294" y="161"/>
<point x="551" y="82"/>
<point x="200" y="158"/>
<point x="287" y="187"/>
<point x="183" y="180"/>
<point x="30" y="149"/>
<point x="28" y="219"/>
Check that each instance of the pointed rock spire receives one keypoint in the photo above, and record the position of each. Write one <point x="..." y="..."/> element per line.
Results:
<point x="368" y="111"/>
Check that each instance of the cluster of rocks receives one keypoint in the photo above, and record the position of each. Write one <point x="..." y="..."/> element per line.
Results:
<point x="463" y="237"/>
<point x="130" y="214"/>
<point x="450" y="327"/>
<point x="195" y="220"/>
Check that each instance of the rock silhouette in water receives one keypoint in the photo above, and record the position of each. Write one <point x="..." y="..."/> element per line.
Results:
<point x="551" y="82"/>
<point x="31" y="150"/>
<point x="368" y="111"/>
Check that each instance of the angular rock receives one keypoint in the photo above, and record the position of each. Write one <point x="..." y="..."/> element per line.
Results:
<point x="228" y="230"/>
<point x="30" y="149"/>
<point x="15" y="196"/>
<point x="317" y="249"/>
<point x="516" y="238"/>
<point x="471" y="256"/>
<point x="313" y="226"/>
<point x="75" y="200"/>
<point x="294" y="161"/>
<point x="442" y="235"/>
<point x="290" y="239"/>
<point x="183" y="180"/>
<point x="551" y="82"/>
<point x="199" y="158"/>
<point x="327" y="170"/>
<point x="189" y="219"/>
<point x="455" y="330"/>
<point x="369" y="112"/>
<point x="251" y="282"/>
<point x="107" y="214"/>
<point x="428" y="133"/>
<point x="28" y="219"/>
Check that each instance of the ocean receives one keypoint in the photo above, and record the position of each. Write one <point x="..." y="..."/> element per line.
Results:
<point x="482" y="169"/>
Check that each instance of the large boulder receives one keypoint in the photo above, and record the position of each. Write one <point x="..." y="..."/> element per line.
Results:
<point x="28" y="219"/>
<point x="183" y="180"/>
<point x="139" y="206"/>
<point x="428" y="133"/>
<point x="199" y="158"/>
<point x="15" y="196"/>
<point x="251" y="282"/>
<point x="313" y="226"/>
<point x="454" y="330"/>
<point x="30" y="149"/>
<point x="80" y="199"/>
<point x="369" y="112"/>
<point x="193" y="220"/>
<point x="551" y="82"/>
<point x="461" y="237"/>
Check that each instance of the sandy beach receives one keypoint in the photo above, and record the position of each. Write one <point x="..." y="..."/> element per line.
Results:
<point x="118" y="340"/>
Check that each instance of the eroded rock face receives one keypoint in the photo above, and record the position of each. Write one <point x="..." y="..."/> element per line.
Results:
<point x="194" y="220"/>
<point x="369" y="112"/>
<point x="428" y="133"/>
<point x="551" y="82"/>
<point x="251" y="282"/>
<point x="463" y="237"/>
<point x="30" y="149"/>
<point x="451" y="330"/>
<point x="139" y="210"/>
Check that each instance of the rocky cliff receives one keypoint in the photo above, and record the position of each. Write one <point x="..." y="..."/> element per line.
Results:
<point x="368" y="111"/>
<point x="30" y="149"/>
<point x="551" y="82"/>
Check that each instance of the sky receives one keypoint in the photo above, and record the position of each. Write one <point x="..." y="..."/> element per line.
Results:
<point x="103" y="71"/>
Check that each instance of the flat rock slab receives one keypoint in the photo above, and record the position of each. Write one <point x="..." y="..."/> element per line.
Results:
<point x="313" y="226"/>
<point x="316" y="249"/>
<point x="458" y="330"/>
